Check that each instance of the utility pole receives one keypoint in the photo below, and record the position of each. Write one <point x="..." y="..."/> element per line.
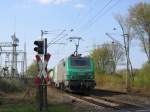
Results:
<point x="128" y="81"/>
<point x="126" y="48"/>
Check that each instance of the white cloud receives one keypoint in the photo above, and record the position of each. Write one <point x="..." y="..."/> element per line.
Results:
<point x="46" y="2"/>
<point x="79" y="6"/>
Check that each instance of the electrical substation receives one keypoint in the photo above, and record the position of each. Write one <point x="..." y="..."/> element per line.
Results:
<point x="13" y="61"/>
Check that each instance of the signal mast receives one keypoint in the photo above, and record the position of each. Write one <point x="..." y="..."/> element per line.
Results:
<point x="41" y="79"/>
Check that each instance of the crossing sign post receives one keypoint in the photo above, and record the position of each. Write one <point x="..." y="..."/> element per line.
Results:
<point x="42" y="78"/>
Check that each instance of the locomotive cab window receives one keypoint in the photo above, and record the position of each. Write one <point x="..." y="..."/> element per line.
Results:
<point x="80" y="62"/>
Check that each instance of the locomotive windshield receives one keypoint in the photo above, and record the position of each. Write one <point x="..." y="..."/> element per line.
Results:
<point x="80" y="62"/>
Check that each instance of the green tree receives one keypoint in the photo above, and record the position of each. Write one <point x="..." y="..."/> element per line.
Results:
<point x="32" y="69"/>
<point x="139" y="17"/>
<point x="99" y="56"/>
<point x="107" y="57"/>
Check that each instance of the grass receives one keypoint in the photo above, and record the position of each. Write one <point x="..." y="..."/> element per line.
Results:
<point x="17" y="108"/>
<point x="12" y="98"/>
<point x="12" y="104"/>
<point x="114" y="82"/>
<point x="32" y="108"/>
<point x="60" y="108"/>
<point x="140" y="83"/>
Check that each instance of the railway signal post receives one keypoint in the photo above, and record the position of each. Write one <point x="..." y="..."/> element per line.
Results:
<point x="41" y="79"/>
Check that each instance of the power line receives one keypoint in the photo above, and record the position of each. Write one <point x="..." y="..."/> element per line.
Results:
<point x="54" y="42"/>
<point x="79" y="18"/>
<point x="99" y="12"/>
<point x="61" y="33"/>
<point x="104" y="13"/>
<point x="91" y="8"/>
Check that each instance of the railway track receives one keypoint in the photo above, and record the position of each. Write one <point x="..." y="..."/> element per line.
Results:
<point x="118" y="106"/>
<point x="106" y="102"/>
<point x="95" y="102"/>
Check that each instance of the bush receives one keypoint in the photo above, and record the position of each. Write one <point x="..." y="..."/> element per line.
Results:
<point x="10" y="85"/>
<point x="142" y="79"/>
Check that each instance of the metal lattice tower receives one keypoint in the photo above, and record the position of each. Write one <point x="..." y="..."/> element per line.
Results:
<point x="15" y="42"/>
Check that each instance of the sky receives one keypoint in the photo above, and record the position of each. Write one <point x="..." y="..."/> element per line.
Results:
<point x="79" y="18"/>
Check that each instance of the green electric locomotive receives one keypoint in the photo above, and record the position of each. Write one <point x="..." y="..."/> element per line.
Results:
<point x="74" y="73"/>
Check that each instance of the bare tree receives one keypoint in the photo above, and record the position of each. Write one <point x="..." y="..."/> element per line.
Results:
<point x="139" y="17"/>
<point x="127" y="37"/>
<point x="115" y="52"/>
